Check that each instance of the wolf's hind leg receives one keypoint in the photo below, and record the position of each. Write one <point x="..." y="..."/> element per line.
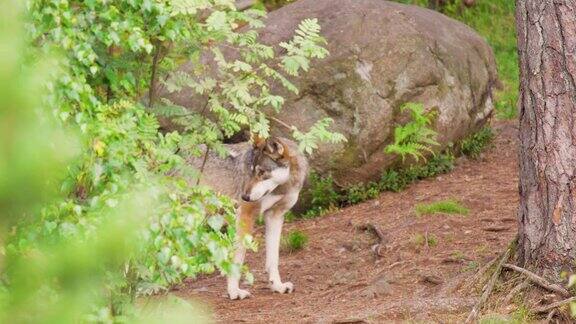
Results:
<point x="274" y="221"/>
<point x="244" y="226"/>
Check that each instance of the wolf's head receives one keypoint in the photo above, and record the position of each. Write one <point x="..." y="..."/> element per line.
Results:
<point x="269" y="168"/>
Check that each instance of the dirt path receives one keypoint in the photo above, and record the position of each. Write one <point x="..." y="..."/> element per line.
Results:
<point x="338" y="278"/>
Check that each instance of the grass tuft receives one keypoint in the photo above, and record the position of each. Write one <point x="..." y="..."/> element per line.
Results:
<point x="294" y="241"/>
<point x="420" y="240"/>
<point x="449" y="206"/>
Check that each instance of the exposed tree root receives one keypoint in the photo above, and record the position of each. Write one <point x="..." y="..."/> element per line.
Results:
<point x="516" y="290"/>
<point x="489" y="287"/>
<point x="550" y="316"/>
<point x="552" y="309"/>
<point x="480" y="273"/>
<point x="555" y="305"/>
<point x="539" y="280"/>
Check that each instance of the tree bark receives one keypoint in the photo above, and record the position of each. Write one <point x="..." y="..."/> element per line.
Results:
<point x="547" y="155"/>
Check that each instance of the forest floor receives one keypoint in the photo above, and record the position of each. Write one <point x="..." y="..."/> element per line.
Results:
<point x="338" y="277"/>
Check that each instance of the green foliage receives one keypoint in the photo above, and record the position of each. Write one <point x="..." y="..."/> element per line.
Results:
<point x="523" y="314"/>
<point x="495" y="21"/>
<point x="323" y="191"/>
<point x="294" y="241"/>
<point x="239" y="91"/>
<point x="326" y="197"/>
<point x="361" y="192"/>
<point x="449" y="206"/>
<point x="73" y="273"/>
<point x="94" y="256"/>
<point x="415" y="137"/>
<point x="474" y="144"/>
<point x="315" y="211"/>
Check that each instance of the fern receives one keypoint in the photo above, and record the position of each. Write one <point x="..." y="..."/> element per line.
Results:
<point x="416" y="137"/>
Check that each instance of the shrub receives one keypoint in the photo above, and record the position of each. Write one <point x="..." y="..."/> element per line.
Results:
<point x="107" y="57"/>
<point x="327" y="198"/>
<point x="323" y="191"/>
<point x="474" y="144"/>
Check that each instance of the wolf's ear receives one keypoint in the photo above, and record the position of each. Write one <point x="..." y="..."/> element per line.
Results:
<point x="276" y="148"/>
<point x="258" y="141"/>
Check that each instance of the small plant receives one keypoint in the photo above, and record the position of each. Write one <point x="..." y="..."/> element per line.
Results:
<point x="420" y="240"/>
<point x="495" y="319"/>
<point x="474" y="144"/>
<point x="449" y="206"/>
<point x="360" y="192"/>
<point x="294" y="241"/>
<point x="458" y="255"/>
<point x="415" y="137"/>
<point x="522" y="314"/>
<point x="289" y="217"/>
<point x="323" y="191"/>
<point x="318" y="212"/>
<point x="471" y="266"/>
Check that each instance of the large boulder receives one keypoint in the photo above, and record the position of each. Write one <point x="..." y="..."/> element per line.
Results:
<point x="383" y="55"/>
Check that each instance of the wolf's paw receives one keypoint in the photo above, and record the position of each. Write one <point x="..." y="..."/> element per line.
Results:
<point x="283" y="288"/>
<point x="238" y="293"/>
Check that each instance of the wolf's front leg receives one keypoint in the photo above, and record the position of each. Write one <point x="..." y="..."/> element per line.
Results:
<point x="244" y="226"/>
<point x="233" y="281"/>
<point x="274" y="221"/>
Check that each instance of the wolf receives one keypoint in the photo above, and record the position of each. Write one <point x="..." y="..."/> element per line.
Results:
<point x="265" y="176"/>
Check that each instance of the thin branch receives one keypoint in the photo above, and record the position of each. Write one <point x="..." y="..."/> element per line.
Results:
<point x="203" y="164"/>
<point x="539" y="280"/>
<point x="207" y="147"/>
<point x="377" y="248"/>
<point x="242" y="5"/>
<point x="375" y="229"/>
<point x="489" y="287"/>
<point x="546" y="308"/>
<point x="550" y="316"/>
<point x="281" y="123"/>
<point x="154" y="74"/>
<point x="480" y="273"/>
<point x="516" y="290"/>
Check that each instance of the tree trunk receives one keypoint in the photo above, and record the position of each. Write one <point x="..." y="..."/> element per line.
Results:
<point x="547" y="215"/>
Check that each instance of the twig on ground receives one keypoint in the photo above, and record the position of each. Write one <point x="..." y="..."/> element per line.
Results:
<point x="516" y="290"/>
<point x="395" y="264"/>
<point x="480" y="273"/>
<point x="378" y="232"/>
<point x="555" y="305"/>
<point x="349" y="321"/>
<point x="550" y="316"/>
<point x="489" y="287"/>
<point x="539" y="280"/>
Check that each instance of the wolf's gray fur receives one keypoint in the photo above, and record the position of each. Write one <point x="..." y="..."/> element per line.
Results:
<point x="229" y="175"/>
<point x="267" y="175"/>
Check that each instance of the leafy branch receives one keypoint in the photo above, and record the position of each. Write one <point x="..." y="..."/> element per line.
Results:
<point x="415" y="137"/>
